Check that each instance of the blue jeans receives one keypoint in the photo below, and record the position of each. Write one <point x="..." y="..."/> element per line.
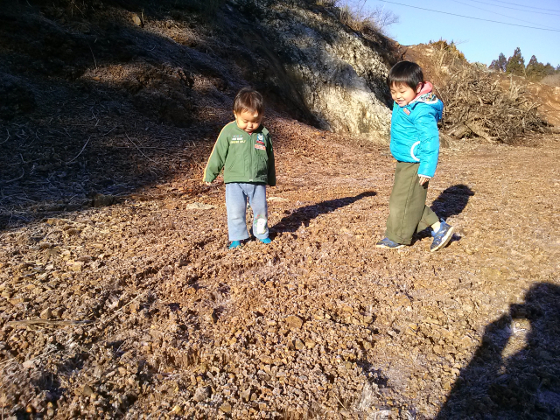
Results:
<point x="237" y="195"/>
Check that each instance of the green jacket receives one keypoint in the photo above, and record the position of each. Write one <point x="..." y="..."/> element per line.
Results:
<point x="245" y="157"/>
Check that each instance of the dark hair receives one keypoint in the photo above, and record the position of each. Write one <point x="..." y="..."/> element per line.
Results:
<point x="248" y="99"/>
<point x="405" y="72"/>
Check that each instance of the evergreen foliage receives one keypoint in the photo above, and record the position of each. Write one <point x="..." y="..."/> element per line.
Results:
<point x="516" y="63"/>
<point x="499" y="64"/>
<point x="534" y="71"/>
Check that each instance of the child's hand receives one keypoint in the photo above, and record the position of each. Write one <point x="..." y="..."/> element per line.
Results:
<point x="423" y="180"/>
<point x="215" y="182"/>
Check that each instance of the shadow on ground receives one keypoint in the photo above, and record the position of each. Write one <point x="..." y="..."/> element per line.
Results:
<point x="304" y="215"/>
<point x="94" y="105"/>
<point x="451" y="202"/>
<point x="524" y="384"/>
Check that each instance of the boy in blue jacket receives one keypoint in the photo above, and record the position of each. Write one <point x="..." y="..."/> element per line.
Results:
<point x="415" y="146"/>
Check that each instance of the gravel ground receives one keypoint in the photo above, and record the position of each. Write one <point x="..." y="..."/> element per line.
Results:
<point x="138" y="310"/>
<point x="119" y="298"/>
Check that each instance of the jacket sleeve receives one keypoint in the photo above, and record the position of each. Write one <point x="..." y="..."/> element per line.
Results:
<point x="217" y="158"/>
<point x="271" y="164"/>
<point x="428" y="135"/>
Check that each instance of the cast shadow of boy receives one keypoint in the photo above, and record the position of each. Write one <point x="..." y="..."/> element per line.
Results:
<point x="304" y="215"/>
<point x="450" y="202"/>
<point x="525" y="385"/>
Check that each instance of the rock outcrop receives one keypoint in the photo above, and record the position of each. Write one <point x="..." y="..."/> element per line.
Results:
<point x="333" y="72"/>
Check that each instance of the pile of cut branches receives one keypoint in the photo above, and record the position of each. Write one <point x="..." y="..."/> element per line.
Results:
<point x="476" y="104"/>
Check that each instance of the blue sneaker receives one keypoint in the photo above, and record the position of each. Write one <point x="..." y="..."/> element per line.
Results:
<point x="442" y="236"/>
<point x="266" y="240"/>
<point x="388" y="244"/>
<point x="234" y="244"/>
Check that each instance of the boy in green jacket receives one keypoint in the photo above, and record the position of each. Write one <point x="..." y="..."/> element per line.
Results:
<point x="244" y="151"/>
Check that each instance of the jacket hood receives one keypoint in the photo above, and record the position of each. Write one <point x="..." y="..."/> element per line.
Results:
<point x="426" y="95"/>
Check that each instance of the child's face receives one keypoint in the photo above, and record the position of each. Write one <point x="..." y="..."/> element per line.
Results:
<point x="247" y="120"/>
<point x="403" y="94"/>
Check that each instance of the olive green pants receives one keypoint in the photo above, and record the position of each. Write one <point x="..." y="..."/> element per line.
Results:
<point x="408" y="212"/>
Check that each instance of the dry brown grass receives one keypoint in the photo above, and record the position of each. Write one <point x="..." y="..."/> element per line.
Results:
<point x="552" y="80"/>
<point x="357" y="16"/>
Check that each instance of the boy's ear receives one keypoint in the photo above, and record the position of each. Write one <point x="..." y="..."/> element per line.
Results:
<point x="419" y="87"/>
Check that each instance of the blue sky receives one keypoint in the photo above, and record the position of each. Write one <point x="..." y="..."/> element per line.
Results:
<point x="480" y="40"/>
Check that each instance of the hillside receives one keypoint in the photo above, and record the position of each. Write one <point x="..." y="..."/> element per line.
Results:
<point x="119" y="298"/>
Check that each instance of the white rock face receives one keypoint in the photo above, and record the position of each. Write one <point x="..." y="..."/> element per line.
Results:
<point x="340" y="78"/>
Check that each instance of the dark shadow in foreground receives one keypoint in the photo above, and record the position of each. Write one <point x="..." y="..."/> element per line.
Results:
<point x="524" y="385"/>
<point x="304" y="215"/>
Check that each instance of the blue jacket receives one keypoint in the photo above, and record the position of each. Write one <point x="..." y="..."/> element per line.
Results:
<point x="414" y="131"/>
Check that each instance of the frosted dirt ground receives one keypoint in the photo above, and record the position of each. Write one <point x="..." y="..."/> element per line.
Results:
<point x="135" y="308"/>
<point x="318" y="324"/>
